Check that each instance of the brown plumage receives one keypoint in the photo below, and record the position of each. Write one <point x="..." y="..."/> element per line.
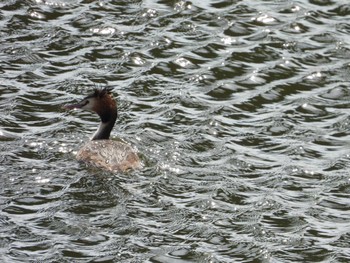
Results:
<point x="109" y="155"/>
<point x="101" y="151"/>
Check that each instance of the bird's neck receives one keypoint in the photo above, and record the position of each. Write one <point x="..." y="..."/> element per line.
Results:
<point x="106" y="125"/>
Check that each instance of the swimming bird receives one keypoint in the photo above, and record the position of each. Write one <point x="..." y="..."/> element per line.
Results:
<point x="102" y="152"/>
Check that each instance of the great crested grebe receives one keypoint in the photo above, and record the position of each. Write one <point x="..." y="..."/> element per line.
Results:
<point x="101" y="151"/>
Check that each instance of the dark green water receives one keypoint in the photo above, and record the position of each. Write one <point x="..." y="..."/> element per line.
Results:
<point x="240" y="110"/>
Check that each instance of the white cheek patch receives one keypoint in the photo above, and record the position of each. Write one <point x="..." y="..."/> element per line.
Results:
<point x="89" y="106"/>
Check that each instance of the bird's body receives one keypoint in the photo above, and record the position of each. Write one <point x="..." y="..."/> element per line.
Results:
<point x="101" y="151"/>
<point x="110" y="155"/>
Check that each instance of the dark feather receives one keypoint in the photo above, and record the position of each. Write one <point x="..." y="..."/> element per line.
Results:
<point x="100" y="93"/>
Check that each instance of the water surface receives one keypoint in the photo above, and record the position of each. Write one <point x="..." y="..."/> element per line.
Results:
<point x="238" y="108"/>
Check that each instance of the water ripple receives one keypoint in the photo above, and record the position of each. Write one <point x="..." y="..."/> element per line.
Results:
<point x="238" y="109"/>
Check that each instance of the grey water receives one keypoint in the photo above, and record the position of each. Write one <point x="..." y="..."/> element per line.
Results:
<point x="238" y="108"/>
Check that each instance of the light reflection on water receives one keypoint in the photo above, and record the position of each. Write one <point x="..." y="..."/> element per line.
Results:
<point x="239" y="111"/>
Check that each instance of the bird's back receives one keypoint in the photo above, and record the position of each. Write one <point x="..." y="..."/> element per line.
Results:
<point x="110" y="155"/>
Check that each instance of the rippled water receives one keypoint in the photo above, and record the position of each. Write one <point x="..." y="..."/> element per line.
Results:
<point x="239" y="109"/>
